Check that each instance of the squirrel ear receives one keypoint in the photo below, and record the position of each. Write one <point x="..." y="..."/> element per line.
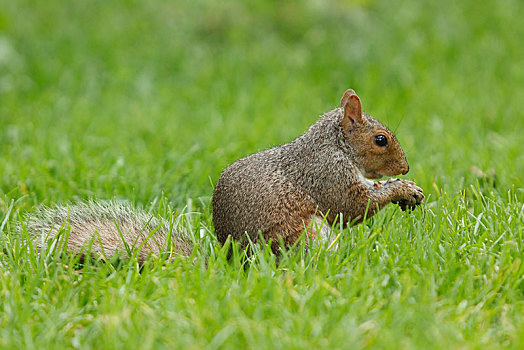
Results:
<point x="352" y="109"/>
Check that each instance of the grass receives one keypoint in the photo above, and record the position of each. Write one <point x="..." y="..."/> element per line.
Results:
<point x="149" y="101"/>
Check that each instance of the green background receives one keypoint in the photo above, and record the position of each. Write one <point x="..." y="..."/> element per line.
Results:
<point x="149" y="100"/>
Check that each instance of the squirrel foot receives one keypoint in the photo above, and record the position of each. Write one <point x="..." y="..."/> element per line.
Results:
<point x="406" y="193"/>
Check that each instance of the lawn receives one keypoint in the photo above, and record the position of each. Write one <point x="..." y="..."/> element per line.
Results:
<point x="149" y="101"/>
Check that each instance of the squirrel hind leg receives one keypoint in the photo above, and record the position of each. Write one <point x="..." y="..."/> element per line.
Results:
<point x="316" y="229"/>
<point x="292" y="228"/>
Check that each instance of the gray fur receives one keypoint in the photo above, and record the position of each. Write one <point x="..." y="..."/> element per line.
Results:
<point x="97" y="223"/>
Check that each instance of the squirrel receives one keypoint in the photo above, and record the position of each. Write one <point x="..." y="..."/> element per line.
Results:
<point x="320" y="178"/>
<point x="283" y="191"/>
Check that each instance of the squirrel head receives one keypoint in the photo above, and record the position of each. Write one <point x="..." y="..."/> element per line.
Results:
<point x="376" y="150"/>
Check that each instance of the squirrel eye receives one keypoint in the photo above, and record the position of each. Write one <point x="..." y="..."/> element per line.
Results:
<point x="381" y="140"/>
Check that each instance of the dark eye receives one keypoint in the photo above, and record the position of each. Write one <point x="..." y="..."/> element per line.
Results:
<point x="381" y="140"/>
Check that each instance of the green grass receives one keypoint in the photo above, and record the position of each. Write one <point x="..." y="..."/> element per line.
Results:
<point x="150" y="100"/>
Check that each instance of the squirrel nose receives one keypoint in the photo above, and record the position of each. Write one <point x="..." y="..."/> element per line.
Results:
<point x="406" y="170"/>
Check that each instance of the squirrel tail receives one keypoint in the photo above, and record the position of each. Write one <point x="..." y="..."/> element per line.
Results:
<point x="105" y="229"/>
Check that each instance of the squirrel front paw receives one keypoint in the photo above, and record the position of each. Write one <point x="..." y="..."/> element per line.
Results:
<point x="406" y="193"/>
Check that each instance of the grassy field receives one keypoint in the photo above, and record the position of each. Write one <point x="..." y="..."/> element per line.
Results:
<point x="149" y="100"/>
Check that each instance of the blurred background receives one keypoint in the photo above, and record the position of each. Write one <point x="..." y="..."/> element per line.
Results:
<point x="139" y="99"/>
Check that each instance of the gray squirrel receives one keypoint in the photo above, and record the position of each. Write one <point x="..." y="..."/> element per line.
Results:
<point x="304" y="186"/>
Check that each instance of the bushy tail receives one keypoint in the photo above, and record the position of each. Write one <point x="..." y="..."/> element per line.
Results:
<point x="105" y="228"/>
